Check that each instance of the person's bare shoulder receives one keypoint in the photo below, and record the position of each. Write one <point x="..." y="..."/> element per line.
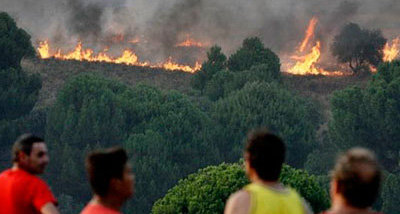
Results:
<point x="238" y="203"/>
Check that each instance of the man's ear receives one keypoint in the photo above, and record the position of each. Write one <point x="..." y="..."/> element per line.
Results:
<point x="334" y="187"/>
<point x="22" y="156"/>
<point x="114" y="183"/>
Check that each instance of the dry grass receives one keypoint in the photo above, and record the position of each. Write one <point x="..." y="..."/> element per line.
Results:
<point x="54" y="73"/>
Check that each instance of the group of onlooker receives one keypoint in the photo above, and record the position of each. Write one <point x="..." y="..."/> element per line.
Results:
<point x="354" y="187"/>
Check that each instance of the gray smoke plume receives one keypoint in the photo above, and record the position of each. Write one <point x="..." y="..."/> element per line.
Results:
<point x="159" y="25"/>
<point x="85" y="20"/>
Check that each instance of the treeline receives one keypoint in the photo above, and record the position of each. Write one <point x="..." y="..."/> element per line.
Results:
<point x="170" y="135"/>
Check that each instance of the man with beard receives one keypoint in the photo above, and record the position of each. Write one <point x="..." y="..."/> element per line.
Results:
<point x="21" y="190"/>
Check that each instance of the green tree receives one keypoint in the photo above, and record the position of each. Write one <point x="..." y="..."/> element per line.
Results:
<point x="225" y="82"/>
<point x="265" y="104"/>
<point x="174" y="143"/>
<point x="207" y="190"/>
<point x="219" y="85"/>
<point x="19" y="92"/>
<point x="369" y="117"/>
<point x="253" y="53"/>
<point x="15" y="43"/>
<point x="390" y="193"/>
<point x="216" y="61"/>
<point x="165" y="133"/>
<point x="358" y="47"/>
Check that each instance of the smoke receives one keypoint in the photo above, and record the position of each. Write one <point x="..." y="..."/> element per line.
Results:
<point x="83" y="20"/>
<point x="160" y="25"/>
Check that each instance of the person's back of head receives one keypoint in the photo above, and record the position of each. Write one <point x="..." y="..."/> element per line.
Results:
<point x="109" y="168"/>
<point x="265" y="153"/>
<point x="357" y="175"/>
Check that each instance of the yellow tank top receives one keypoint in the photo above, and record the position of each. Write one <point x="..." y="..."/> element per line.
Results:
<point x="266" y="200"/>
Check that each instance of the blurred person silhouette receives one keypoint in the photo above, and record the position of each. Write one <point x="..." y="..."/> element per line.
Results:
<point x="111" y="180"/>
<point x="355" y="182"/>
<point x="21" y="190"/>
<point x="263" y="157"/>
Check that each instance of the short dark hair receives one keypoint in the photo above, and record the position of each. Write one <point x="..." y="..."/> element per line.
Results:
<point x="104" y="165"/>
<point x="24" y="143"/>
<point x="358" y="176"/>
<point x="266" y="154"/>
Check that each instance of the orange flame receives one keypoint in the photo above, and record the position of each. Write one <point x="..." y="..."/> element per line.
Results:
<point x="127" y="57"/>
<point x="309" y="33"/>
<point x="43" y="49"/>
<point x="189" y="42"/>
<point x="134" y="41"/>
<point x="391" y="52"/>
<point x="170" y="65"/>
<point x="306" y="65"/>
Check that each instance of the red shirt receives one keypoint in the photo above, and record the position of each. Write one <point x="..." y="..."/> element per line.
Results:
<point x="97" y="209"/>
<point x="22" y="192"/>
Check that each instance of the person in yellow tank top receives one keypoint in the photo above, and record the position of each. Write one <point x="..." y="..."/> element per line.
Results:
<point x="264" y="156"/>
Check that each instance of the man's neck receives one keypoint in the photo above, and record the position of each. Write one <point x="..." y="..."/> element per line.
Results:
<point x="16" y="166"/>
<point x="273" y="184"/>
<point x="109" y="201"/>
<point x="339" y="205"/>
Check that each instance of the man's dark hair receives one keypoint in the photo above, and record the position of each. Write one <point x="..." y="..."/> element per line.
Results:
<point x="24" y="143"/>
<point x="102" y="166"/>
<point x="358" y="177"/>
<point x="266" y="154"/>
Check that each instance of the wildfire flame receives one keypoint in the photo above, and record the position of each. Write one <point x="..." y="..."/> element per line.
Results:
<point x="127" y="57"/>
<point x="306" y="64"/>
<point x="309" y="33"/>
<point x="44" y="50"/>
<point x="170" y="65"/>
<point x="189" y="42"/>
<point x="391" y="52"/>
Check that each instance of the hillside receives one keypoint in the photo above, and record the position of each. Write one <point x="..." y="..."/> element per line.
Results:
<point x="54" y="73"/>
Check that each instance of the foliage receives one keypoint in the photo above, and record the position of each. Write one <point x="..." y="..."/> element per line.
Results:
<point x="265" y="104"/>
<point x="390" y="193"/>
<point x="15" y="43"/>
<point x="18" y="93"/>
<point x="321" y="160"/>
<point x="164" y="132"/>
<point x="207" y="190"/>
<point x="216" y="61"/>
<point x="369" y="117"/>
<point x="358" y="47"/>
<point x="252" y="53"/>
<point x="220" y="85"/>
<point x="174" y="143"/>
<point x="225" y="82"/>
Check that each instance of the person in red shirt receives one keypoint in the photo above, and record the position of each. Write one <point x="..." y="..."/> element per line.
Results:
<point x="111" y="180"/>
<point x="355" y="182"/>
<point x="21" y="190"/>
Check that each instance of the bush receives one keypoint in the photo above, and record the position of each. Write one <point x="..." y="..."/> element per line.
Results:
<point x="207" y="190"/>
